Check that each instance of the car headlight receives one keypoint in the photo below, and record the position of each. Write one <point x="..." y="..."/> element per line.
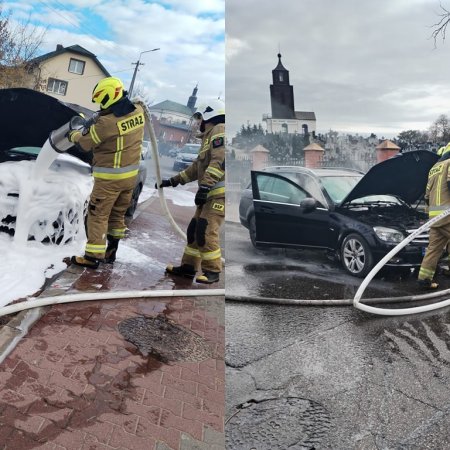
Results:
<point x="178" y="159"/>
<point x="388" y="234"/>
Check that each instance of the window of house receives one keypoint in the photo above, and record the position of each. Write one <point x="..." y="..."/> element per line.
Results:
<point x="280" y="75"/>
<point x="76" y="66"/>
<point x="57" y="86"/>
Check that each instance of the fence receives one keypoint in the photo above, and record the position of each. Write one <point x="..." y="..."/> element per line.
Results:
<point x="362" y="164"/>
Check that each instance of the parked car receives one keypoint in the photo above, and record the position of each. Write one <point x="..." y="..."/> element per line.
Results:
<point x="186" y="156"/>
<point x="31" y="117"/>
<point x="357" y="218"/>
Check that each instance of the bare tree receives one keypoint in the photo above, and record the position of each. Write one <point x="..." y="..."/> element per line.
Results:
<point x="440" y="28"/>
<point x="19" y="44"/>
<point x="142" y="92"/>
<point x="439" y="131"/>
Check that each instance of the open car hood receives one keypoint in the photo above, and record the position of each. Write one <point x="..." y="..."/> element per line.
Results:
<point x="29" y="116"/>
<point x="404" y="176"/>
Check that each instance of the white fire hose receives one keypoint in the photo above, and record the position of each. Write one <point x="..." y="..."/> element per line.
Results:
<point x="151" y="132"/>
<point x="383" y="261"/>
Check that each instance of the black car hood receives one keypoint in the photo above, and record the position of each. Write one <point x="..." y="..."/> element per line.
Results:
<point x="404" y="176"/>
<point x="29" y="116"/>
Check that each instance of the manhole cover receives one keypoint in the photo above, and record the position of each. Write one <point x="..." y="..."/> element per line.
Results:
<point x="286" y="423"/>
<point x="164" y="339"/>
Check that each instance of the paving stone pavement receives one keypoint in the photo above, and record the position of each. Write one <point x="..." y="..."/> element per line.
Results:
<point x="74" y="383"/>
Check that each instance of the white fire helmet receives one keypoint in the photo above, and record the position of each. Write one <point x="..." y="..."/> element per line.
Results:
<point x="210" y="109"/>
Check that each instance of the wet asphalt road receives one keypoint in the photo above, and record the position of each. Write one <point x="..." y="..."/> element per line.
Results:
<point x="329" y="377"/>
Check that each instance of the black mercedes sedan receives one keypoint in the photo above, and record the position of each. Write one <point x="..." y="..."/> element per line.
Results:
<point x="357" y="218"/>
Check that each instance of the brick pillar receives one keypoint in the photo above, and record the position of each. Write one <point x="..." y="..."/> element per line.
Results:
<point x="386" y="150"/>
<point x="313" y="156"/>
<point x="260" y="156"/>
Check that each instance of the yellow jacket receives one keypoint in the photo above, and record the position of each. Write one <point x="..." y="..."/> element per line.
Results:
<point x="116" y="143"/>
<point x="209" y="167"/>
<point x="437" y="192"/>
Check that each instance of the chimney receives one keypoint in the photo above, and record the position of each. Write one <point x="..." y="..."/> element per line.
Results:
<point x="59" y="47"/>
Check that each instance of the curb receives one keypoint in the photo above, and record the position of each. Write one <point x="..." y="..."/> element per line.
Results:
<point x="18" y="326"/>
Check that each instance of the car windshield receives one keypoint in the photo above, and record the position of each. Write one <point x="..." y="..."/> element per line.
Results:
<point x="338" y="187"/>
<point x="190" y="148"/>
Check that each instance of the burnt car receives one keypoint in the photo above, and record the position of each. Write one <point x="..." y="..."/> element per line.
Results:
<point x="356" y="218"/>
<point x="30" y="118"/>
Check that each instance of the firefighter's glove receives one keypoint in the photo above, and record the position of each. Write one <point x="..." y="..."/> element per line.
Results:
<point x="166" y="182"/>
<point x="71" y="135"/>
<point x="202" y="195"/>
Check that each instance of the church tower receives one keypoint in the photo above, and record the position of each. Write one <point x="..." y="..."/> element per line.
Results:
<point x="281" y="93"/>
<point x="193" y="99"/>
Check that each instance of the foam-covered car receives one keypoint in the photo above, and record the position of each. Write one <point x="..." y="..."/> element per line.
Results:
<point x="357" y="218"/>
<point x="30" y="118"/>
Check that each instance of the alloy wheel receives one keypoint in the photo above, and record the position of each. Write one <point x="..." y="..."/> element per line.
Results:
<point x="354" y="256"/>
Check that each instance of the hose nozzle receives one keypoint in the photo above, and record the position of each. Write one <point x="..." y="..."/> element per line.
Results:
<point x="59" y="138"/>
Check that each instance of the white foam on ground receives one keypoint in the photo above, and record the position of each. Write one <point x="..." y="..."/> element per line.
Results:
<point x="129" y="255"/>
<point x="23" y="270"/>
<point x="147" y="193"/>
<point x="179" y="196"/>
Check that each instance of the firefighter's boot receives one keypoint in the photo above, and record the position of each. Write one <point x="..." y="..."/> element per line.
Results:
<point x="111" y="250"/>
<point x="208" y="277"/>
<point x="85" y="261"/>
<point x="185" y="270"/>
<point x="428" y="284"/>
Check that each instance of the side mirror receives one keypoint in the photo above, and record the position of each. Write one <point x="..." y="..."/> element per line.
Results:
<point x="308" y="205"/>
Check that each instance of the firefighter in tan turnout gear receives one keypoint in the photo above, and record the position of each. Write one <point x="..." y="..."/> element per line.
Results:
<point x="203" y="242"/>
<point x="116" y="140"/>
<point x="437" y="196"/>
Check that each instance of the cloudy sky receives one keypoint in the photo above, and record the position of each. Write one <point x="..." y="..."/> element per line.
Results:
<point x="190" y="36"/>
<point x="362" y="66"/>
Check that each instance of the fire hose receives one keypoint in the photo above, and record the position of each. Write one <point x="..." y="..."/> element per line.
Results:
<point x="151" y="132"/>
<point x="383" y="261"/>
<point x="356" y="301"/>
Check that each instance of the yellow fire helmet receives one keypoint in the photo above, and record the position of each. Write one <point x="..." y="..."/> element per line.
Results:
<point x="440" y="151"/>
<point x="107" y="92"/>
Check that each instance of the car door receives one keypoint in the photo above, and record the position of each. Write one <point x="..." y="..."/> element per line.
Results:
<point x="279" y="218"/>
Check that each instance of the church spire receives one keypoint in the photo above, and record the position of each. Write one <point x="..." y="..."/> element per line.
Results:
<point x="193" y="99"/>
<point x="280" y="74"/>
<point x="281" y="93"/>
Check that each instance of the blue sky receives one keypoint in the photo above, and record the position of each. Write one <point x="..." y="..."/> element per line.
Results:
<point x="190" y="35"/>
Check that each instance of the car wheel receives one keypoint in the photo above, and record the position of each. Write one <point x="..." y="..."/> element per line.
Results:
<point x="134" y="201"/>
<point x="252" y="231"/>
<point x="356" y="256"/>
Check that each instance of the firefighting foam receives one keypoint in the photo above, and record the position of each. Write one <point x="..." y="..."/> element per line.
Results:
<point x="50" y="203"/>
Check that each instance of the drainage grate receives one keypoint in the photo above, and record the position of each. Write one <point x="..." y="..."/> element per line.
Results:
<point x="165" y="340"/>
<point x="285" y="423"/>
